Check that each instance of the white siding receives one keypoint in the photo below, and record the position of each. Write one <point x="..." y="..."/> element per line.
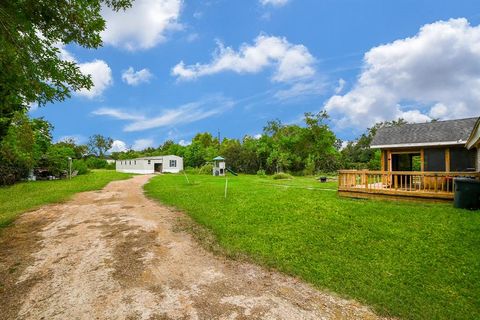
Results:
<point x="219" y="168"/>
<point x="147" y="166"/>
<point x="172" y="164"/>
<point x="134" y="166"/>
<point x="478" y="158"/>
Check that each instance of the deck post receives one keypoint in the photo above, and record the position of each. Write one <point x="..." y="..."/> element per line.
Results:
<point x="447" y="159"/>
<point x="365" y="177"/>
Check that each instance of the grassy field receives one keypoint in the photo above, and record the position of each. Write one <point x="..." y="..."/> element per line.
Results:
<point x="26" y="196"/>
<point x="411" y="260"/>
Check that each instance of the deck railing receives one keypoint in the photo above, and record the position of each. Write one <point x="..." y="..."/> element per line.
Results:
<point x="413" y="183"/>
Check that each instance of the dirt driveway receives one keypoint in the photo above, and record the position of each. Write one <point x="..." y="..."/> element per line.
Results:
<point x="114" y="254"/>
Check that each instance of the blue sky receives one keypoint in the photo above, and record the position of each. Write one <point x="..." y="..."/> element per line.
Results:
<point x="170" y="68"/>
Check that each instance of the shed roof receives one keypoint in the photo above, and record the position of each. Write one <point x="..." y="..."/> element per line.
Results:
<point x="449" y="132"/>
<point x="152" y="158"/>
<point x="158" y="157"/>
<point x="218" y="158"/>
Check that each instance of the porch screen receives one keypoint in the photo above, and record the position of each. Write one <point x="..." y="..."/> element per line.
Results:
<point x="434" y="160"/>
<point x="462" y="159"/>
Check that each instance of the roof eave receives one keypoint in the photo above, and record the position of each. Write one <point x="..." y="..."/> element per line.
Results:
<point x="474" y="139"/>
<point x="420" y="144"/>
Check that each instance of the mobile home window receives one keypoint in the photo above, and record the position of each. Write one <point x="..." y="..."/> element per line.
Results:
<point x="135" y="162"/>
<point x="173" y="163"/>
<point x="130" y="162"/>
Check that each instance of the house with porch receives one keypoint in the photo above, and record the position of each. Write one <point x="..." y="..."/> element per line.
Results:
<point x="418" y="161"/>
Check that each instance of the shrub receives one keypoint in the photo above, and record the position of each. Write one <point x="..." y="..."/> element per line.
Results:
<point x="261" y="173"/>
<point x="282" y="176"/>
<point x="206" y="169"/>
<point x="96" y="163"/>
<point x="56" y="159"/>
<point x="80" y="166"/>
<point x="111" y="166"/>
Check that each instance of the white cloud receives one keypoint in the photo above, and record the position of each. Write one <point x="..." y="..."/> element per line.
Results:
<point x="192" y="37"/>
<point x="143" y="25"/>
<point x="344" y="144"/>
<point x="99" y="70"/>
<point x="275" y="3"/>
<point x="101" y="75"/>
<point x="435" y="74"/>
<point x="307" y="88"/>
<point x="291" y="62"/>
<point x="118" y="146"/>
<point x="184" y="143"/>
<point x="133" y="78"/>
<point x="142" y="144"/>
<point x="340" y="86"/>
<point x="64" y="53"/>
<point x="117" y="114"/>
<point x="32" y="107"/>
<point x="188" y="113"/>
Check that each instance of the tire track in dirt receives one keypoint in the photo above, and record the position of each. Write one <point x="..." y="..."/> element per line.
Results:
<point x="114" y="254"/>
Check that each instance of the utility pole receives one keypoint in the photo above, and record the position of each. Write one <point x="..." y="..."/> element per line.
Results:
<point x="69" y="167"/>
<point x="219" y="142"/>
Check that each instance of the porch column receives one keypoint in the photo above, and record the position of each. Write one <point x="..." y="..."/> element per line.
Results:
<point x="382" y="160"/>
<point x="422" y="160"/>
<point x="447" y="160"/>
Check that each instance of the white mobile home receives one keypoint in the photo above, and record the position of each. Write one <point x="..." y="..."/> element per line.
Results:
<point x="149" y="165"/>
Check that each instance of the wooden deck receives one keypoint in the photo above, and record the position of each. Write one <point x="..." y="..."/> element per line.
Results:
<point x="404" y="185"/>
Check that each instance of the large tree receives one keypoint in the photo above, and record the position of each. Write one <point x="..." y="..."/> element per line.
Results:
<point x="31" y="35"/>
<point x="99" y="145"/>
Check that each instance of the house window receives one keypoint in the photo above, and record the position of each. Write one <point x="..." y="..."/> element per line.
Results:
<point x="149" y="161"/>
<point x="130" y="162"/>
<point x="135" y="162"/>
<point x="173" y="163"/>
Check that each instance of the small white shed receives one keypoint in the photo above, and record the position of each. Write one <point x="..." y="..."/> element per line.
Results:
<point x="149" y="165"/>
<point x="218" y="166"/>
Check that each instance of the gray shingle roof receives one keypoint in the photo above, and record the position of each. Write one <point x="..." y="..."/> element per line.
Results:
<point x="427" y="133"/>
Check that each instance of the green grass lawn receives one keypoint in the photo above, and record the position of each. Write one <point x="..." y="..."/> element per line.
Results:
<point x="411" y="260"/>
<point x="26" y="196"/>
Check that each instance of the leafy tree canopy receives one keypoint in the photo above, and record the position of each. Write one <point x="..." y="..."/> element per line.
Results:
<point x="31" y="34"/>
<point x="99" y="145"/>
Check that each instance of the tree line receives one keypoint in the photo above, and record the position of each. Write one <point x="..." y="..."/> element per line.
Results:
<point x="306" y="149"/>
<point x="27" y="145"/>
<point x="301" y="149"/>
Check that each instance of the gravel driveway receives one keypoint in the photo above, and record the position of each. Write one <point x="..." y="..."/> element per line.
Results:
<point x="114" y="254"/>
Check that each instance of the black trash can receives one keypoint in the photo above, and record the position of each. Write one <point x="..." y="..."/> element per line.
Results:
<point x="467" y="193"/>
